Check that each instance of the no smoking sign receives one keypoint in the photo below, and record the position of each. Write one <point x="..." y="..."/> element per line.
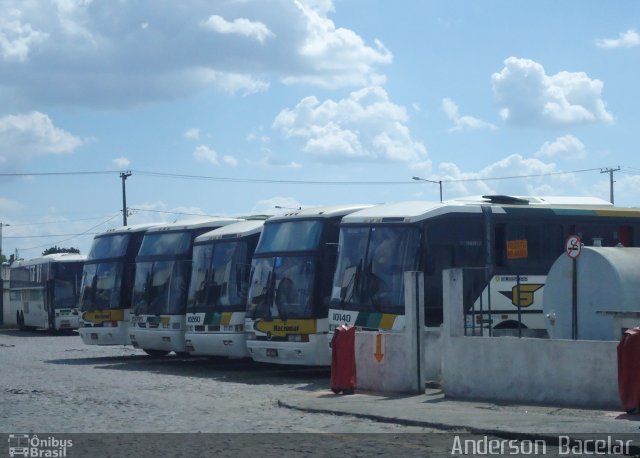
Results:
<point x="573" y="246"/>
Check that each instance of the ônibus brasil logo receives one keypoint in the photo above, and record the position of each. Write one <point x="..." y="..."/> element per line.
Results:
<point x="34" y="446"/>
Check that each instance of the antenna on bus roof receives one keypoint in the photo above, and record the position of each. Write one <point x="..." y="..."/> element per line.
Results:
<point x="502" y="199"/>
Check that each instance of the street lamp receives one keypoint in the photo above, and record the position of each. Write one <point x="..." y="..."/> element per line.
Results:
<point x="439" y="182"/>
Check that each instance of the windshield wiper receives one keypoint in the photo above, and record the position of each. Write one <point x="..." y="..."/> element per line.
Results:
<point x="371" y="279"/>
<point x="352" y="286"/>
<point x="265" y="299"/>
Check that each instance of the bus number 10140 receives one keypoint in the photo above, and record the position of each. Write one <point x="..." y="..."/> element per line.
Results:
<point x="342" y="317"/>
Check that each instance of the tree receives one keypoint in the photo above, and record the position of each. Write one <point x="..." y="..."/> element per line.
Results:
<point x="56" y="249"/>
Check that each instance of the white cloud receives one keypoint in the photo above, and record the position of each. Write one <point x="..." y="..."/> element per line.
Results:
<point x="204" y="153"/>
<point x="527" y="96"/>
<point x="566" y="147"/>
<point x="450" y="108"/>
<point x="25" y="135"/>
<point x="627" y="39"/>
<point x="240" y="26"/>
<point x="192" y="134"/>
<point x="626" y="192"/>
<point x="230" y="160"/>
<point x="334" y="56"/>
<point x="84" y="60"/>
<point x="17" y="39"/>
<point x="539" y="182"/>
<point x="121" y="162"/>
<point x="8" y="206"/>
<point x="364" y="126"/>
<point x="271" y="160"/>
<point x="228" y="82"/>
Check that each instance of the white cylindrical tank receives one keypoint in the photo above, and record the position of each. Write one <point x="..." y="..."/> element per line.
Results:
<point x="608" y="281"/>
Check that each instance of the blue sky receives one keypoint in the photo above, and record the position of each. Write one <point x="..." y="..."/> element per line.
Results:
<point x="255" y="94"/>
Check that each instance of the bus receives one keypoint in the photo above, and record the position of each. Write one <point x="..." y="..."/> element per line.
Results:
<point x="505" y="245"/>
<point x="291" y="274"/>
<point x="217" y="298"/>
<point x="107" y="285"/>
<point x="163" y="272"/>
<point x="44" y="291"/>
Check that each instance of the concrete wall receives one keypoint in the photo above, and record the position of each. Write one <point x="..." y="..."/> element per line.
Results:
<point x="397" y="361"/>
<point x="384" y="362"/>
<point x="565" y="372"/>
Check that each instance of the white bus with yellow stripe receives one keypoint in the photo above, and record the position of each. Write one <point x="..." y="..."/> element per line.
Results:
<point x="291" y="275"/>
<point x="217" y="299"/>
<point x="505" y="245"/>
<point x="107" y="284"/>
<point x="163" y="271"/>
<point x="44" y="291"/>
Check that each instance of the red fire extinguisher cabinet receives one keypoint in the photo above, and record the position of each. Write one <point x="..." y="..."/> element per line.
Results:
<point x="343" y="360"/>
<point x="629" y="370"/>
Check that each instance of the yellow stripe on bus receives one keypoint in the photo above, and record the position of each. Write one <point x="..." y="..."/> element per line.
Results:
<point x="386" y="322"/>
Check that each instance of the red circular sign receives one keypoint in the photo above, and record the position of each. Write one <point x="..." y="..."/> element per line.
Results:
<point x="573" y="246"/>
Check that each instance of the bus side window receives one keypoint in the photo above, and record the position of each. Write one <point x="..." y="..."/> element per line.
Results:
<point x="499" y="244"/>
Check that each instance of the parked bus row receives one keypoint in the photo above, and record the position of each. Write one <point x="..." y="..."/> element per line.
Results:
<point x="275" y="289"/>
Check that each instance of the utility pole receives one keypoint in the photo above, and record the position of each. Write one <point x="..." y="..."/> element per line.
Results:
<point x="610" y="172"/>
<point x="124" y="176"/>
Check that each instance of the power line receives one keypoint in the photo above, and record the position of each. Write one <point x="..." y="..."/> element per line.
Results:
<point x="45" y="236"/>
<point x="297" y="182"/>
<point x="72" y="237"/>
<point x="513" y="177"/>
<point x="104" y="172"/>
<point x="56" y="222"/>
<point x="173" y="213"/>
<point x="265" y="180"/>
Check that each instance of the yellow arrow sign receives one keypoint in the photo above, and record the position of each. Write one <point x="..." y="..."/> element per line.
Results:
<point x="378" y="354"/>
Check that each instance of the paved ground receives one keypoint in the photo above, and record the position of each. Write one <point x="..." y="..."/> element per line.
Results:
<point x="56" y="385"/>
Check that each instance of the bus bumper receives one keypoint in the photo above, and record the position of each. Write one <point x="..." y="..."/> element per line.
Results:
<point x="118" y="335"/>
<point x="313" y="353"/>
<point x="229" y="344"/>
<point x="158" y="339"/>
<point x="67" y="322"/>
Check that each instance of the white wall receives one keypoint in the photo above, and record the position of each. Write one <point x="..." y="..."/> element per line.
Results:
<point x="566" y="372"/>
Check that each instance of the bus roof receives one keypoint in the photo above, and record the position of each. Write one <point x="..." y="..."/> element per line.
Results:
<point x="193" y="224"/>
<point x="414" y="211"/>
<point x="571" y="201"/>
<point x="50" y="258"/>
<point x="318" y="212"/>
<point x="232" y="231"/>
<point x="133" y="228"/>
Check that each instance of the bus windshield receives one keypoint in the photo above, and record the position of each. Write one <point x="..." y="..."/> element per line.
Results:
<point x="66" y="290"/>
<point x="166" y="244"/>
<point x="109" y="246"/>
<point x="220" y="277"/>
<point x="101" y="286"/>
<point x="371" y="266"/>
<point x="161" y="287"/>
<point x="290" y="236"/>
<point x="282" y="287"/>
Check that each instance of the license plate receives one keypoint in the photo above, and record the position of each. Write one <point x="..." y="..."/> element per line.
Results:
<point x="272" y="352"/>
